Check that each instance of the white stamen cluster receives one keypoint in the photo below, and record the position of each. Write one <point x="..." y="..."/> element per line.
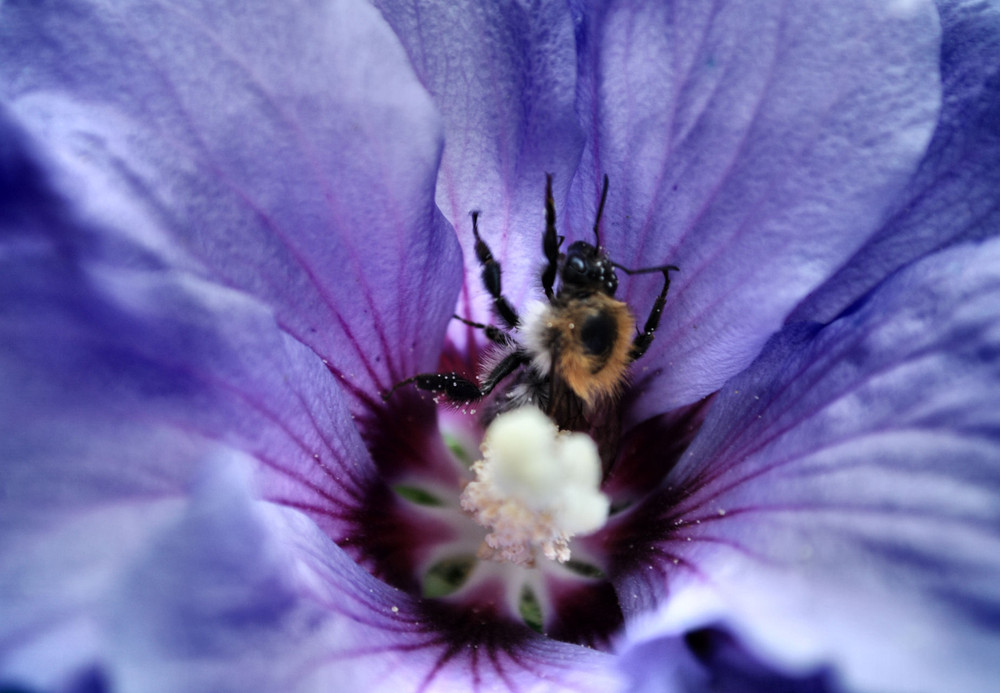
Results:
<point x="535" y="488"/>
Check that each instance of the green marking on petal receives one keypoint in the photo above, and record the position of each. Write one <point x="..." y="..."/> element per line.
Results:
<point x="587" y="570"/>
<point x="456" y="448"/>
<point x="447" y="576"/>
<point x="531" y="610"/>
<point x="417" y="495"/>
<point x="620" y="507"/>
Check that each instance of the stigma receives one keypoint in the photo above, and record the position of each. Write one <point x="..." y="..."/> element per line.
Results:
<point x="536" y="488"/>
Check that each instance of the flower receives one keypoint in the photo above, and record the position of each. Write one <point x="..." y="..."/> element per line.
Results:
<point x="227" y="228"/>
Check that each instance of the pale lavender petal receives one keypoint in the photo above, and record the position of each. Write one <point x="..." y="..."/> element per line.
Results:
<point x="662" y="664"/>
<point x="953" y="196"/>
<point x="102" y="431"/>
<point x="97" y="363"/>
<point x="753" y="144"/>
<point x="285" y="149"/>
<point x="841" y="505"/>
<point x="503" y="76"/>
<point x="710" y="659"/>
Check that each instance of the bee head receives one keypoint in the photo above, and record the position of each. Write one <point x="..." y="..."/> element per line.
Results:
<point x="586" y="269"/>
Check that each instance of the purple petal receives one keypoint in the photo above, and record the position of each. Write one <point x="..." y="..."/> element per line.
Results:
<point x="662" y="664"/>
<point x="710" y="659"/>
<point x="286" y="146"/>
<point x="752" y="144"/>
<point x="119" y="385"/>
<point x="106" y="362"/>
<point x="503" y="77"/>
<point x="841" y="505"/>
<point x="952" y="197"/>
<point x="124" y="389"/>
<point x="100" y="436"/>
<point x="215" y="586"/>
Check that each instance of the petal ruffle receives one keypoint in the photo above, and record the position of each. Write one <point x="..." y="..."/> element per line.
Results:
<point x="841" y="505"/>
<point x="953" y="196"/>
<point x="753" y="144"/>
<point x="287" y="146"/>
<point x="102" y="433"/>
<point x="503" y="76"/>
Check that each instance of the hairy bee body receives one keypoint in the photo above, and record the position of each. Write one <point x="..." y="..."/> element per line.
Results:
<point x="576" y="357"/>
<point x="584" y="343"/>
<point x="570" y="355"/>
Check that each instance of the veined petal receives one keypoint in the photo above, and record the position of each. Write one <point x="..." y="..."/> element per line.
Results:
<point x="953" y="196"/>
<point x="287" y="147"/>
<point x="841" y="505"/>
<point x="755" y="145"/>
<point x="97" y="367"/>
<point x="503" y="75"/>
<point x="142" y="412"/>
<point x="120" y="384"/>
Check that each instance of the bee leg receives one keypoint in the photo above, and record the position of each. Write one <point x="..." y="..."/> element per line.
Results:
<point x="507" y="365"/>
<point x="600" y="212"/>
<point x="550" y="242"/>
<point x="491" y="278"/>
<point x="494" y="334"/>
<point x="642" y="341"/>
<point x="455" y="387"/>
<point x="459" y="389"/>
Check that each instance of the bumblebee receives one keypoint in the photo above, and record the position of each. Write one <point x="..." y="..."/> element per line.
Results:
<point x="571" y="352"/>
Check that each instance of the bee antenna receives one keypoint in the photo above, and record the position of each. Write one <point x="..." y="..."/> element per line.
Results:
<point x="646" y="270"/>
<point x="600" y="211"/>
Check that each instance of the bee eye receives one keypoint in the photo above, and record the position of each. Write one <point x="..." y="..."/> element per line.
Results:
<point x="577" y="264"/>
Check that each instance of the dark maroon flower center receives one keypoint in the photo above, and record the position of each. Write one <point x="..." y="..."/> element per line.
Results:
<point x="412" y="533"/>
